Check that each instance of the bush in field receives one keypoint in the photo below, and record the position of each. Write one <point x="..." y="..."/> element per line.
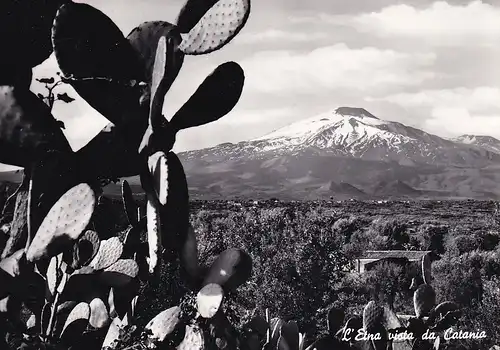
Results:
<point x="388" y="282"/>
<point x="459" y="279"/>
<point x="431" y="237"/>
<point x="461" y="244"/>
<point x="381" y="234"/>
<point x="486" y="313"/>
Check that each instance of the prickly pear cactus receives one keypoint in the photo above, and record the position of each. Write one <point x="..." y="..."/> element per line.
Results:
<point x="217" y="27"/>
<point x="65" y="222"/>
<point x="424" y="299"/>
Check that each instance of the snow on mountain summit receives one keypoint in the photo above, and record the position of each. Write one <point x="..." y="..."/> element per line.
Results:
<point x="306" y="128"/>
<point x="355" y="133"/>
<point x="351" y="130"/>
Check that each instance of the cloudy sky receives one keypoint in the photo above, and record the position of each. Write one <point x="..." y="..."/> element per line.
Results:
<point x="433" y="65"/>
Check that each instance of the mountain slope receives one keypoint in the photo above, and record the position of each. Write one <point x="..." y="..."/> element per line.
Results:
<point x="312" y="157"/>
<point x="485" y="142"/>
<point x="359" y="135"/>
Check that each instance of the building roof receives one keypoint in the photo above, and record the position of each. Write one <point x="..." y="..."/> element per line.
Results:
<point x="383" y="254"/>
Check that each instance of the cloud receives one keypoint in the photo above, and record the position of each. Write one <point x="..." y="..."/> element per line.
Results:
<point x="475" y="23"/>
<point x="455" y="121"/>
<point x="255" y="117"/>
<point x="480" y="99"/>
<point x="278" y="35"/>
<point x="336" y="66"/>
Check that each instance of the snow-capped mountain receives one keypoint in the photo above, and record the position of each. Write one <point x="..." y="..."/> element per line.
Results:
<point x="486" y="142"/>
<point x="354" y="132"/>
<point x="367" y="155"/>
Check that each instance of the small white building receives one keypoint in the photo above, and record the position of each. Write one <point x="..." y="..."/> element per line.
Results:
<point x="371" y="257"/>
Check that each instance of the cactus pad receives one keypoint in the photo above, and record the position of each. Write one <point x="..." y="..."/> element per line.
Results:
<point x="231" y="268"/>
<point x="426" y="269"/>
<point x="158" y="167"/>
<point x="216" y="28"/>
<point x="144" y="39"/>
<point x="77" y="320"/>
<point x="132" y="240"/>
<point x="158" y="79"/>
<point x="109" y="252"/>
<point x="289" y="336"/>
<point x="121" y="299"/>
<point x="192" y="12"/>
<point x="335" y="319"/>
<point x="25" y="26"/>
<point x="53" y="275"/>
<point x="209" y="299"/>
<point x="45" y="318"/>
<point x="32" y="290"/>
<point x="86" y="51"/>
<point x="275" y="329"/>
<point x="424" y="299"/>
<point x="27" y="129"/>
<point x="98" y="314"/>
<point x="193" y="339"/>
<point x="154" y="233"/>
<point x="129" y="203"/>
<point x="120" y="273"/>
<point x="214" y="98"/>
<point x="372" y="316"/>
<point x="84" y="250"/>
<point x="82" y="285"/>
<point x="175" y="214"/>
<point x="64" y="223"/>
<point x="111" y="302"/>
<point x="158" y="130"/>
<point x="31" y="322"/>
<point x="113" y="333"/>
<point x="164" y="323"/>
<point x="259" y="325"/>
<point x="100" y="63"/>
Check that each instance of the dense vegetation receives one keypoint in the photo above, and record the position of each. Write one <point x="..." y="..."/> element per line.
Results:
<point x="303" y="254"/>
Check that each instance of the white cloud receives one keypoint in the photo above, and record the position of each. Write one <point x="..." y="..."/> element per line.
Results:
<point x="480" y="99"/>
<point x="458" y="121"/>
<point x="278" y="35"/>
<point x="249" y="117"/>
<point x="336" y="66"/>
<point x="476" y="23"/>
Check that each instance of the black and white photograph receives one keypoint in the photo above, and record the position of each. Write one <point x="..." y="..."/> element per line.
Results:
<point x="250" y="175"/>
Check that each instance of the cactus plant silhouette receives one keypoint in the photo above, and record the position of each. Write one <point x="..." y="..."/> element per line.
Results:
<point x="84" y="281"/>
